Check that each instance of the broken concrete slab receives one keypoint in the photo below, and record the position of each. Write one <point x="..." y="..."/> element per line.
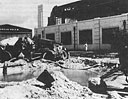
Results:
<point x="46" y="78"/>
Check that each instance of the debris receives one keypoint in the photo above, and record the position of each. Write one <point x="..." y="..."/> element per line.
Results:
<point x="53" y="84"/>
<point x="98" y="85"/>
<point x="62" y="88"/>
<point x="46" y="78"/>
<point x="10" y="41"/>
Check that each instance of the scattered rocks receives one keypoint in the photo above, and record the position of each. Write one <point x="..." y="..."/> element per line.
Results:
<point x="98" y="85"/>
<point x="62" y="88"/>
<point x="78" y="63"/>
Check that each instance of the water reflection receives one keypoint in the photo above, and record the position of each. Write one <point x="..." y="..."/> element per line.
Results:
<point x="79" y="76"/>
<point x="21" y="75"/>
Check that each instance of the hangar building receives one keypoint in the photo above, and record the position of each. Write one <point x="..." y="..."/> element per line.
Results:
<point x="7" y="30"/>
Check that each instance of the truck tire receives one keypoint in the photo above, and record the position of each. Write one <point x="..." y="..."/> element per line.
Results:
<point x="48" y="55"/>
<point x="6" y="56"/>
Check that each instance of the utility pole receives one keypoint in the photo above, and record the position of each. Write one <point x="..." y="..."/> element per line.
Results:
<point x="74" y="29"/>
<point x="99" y="36"/>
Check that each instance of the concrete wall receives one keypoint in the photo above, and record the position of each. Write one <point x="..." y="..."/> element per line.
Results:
<point x="109" y="22"/>
<point x="96" y="25"/>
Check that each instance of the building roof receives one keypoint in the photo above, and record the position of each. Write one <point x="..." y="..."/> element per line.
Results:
<point x="88" y="9"/>
<point x="11" y="28"/>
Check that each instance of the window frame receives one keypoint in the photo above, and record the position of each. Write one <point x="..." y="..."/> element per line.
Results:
<point x="112" y="30"/>
<point x="87" y="40"/>
<point x="70" y="41"/>
<point x="53" y="34"/>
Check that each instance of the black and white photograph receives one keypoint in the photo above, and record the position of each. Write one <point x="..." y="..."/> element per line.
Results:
<point x="63" y="49"/>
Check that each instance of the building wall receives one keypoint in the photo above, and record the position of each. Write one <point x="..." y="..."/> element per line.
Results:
<point x="114" y="21"/>
<point x="7" y="35"/>
<point x="96" y="25"/>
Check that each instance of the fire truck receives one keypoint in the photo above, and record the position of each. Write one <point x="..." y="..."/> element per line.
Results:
<point x="50" y="49"/>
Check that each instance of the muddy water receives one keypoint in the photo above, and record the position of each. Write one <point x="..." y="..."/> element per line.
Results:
<point x="20" y="76"/>
<point x="79" y="76"/>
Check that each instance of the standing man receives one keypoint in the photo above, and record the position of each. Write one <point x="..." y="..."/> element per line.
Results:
<point x="123" y="51"/>
<point x="86" y="46"/>
<point x="123" y="55"/>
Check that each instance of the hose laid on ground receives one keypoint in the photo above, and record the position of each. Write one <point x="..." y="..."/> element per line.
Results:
<point x="64" y="55"/>
<point x="58" y="64"/>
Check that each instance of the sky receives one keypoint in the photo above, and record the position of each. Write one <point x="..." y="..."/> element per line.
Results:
<point x="24" y="13"/>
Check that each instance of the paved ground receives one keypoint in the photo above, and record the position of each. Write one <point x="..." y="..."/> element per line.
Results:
<point x="81" y="53"/>
<point x="94" y="54"/>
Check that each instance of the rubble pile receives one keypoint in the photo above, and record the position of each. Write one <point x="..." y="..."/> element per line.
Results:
<point x="79" y="63"/>
<point x="90" y="62"/>
<point x="10" y="41"/>
<point x="106" y="60"/>
<point x="24" y="67"/>
<point x="62" y="88"/>
<point x="104" y="64"/>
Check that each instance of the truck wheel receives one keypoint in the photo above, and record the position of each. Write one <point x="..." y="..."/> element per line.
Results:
<point x="48" y="55"/>
<point x="6" y="56"/>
